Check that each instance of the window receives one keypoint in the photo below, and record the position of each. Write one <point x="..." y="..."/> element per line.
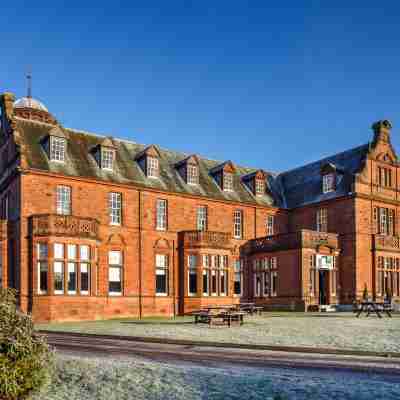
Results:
<point x="71" y="249"/>
<point x="161" y="211"/>
<point x="228" y="181"/>
<point x="63" y="200"/>
<point x="192" y="264"/>
<point x="213" y="282"/>
<point x="313" y="272"/>
<point x="259" y="187"/>
<point x="58" y="277"/>
<point x="71" y="278"/>
<point x="270" y="225"/>
<point x="115" y="273"/>
<point x="223" y="283"/>
<point x="42" y="255"/>
<point x="58" y="251"/>
<point x="257" y="285"/>
<point x="328" y="183"/>
<point x="57" y="148"/>
<point x="237" y="224"/>
<point x="152" y="167"/>
<point x="115" y="206"/>
<point x="85" y="278"/>
<point x="322" y="220"/>
<point x="107" y="158"/>
<point x="202" y="218"/>
<point x="192" y="174"/>
<point x="206" y="280"/>
<point x="384" y="177"/>
<point x="384" y="221"/>
<point x="84" y="253"/>
<point x="237" y="284"/>
<point x="161" y="275"/>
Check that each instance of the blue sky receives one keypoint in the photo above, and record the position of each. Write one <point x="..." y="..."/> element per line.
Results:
<point x="266" y="84"/>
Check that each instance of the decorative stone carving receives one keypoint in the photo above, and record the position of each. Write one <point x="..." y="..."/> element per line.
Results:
<point x="64" y="225"/>
<point x="220" y="240"/>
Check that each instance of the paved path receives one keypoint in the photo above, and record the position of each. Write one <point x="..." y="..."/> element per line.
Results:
<point x="219" y="356"/>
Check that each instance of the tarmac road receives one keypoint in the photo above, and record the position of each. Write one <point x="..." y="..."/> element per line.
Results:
<point x="117" y="347"/>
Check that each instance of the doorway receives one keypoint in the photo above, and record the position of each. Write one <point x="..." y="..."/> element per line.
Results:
<point x="323" y="287"/>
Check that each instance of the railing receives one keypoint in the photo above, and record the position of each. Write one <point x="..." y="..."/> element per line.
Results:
<point x="206" y="239"/>
<point x="64" y="225"/>
<point x="303" y="238"/>
<point x="382" y="242"/>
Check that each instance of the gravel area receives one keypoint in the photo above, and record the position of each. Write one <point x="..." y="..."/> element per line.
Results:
<point x="105" y="379"/>
<point x="340" y="331"/>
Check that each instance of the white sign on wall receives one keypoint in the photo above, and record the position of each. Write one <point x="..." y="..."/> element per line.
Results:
<point x="324" y="262"/>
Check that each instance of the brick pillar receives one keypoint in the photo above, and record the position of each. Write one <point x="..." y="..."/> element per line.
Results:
<point x="4" y="253"/>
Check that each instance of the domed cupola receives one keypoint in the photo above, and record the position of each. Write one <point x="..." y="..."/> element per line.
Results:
<point x="30" y="108"/>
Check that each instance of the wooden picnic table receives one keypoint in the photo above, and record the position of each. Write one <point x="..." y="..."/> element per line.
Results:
<point x="227" y="317"/>
<point x="376" y="307"/>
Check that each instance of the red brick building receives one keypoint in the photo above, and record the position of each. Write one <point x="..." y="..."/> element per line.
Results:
<point x="95" y="227"/>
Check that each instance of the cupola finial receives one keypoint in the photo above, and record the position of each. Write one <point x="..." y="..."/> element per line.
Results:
<point x="382" y="130"/>
<point x="29" y="82"/>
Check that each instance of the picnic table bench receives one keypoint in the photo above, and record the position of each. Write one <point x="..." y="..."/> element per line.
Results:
<point x="221" y="316"/>
<point x="375" y="307"/>
<point x="251" y="308"/>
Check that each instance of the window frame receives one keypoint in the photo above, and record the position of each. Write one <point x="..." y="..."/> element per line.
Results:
<point x="57" y="149"/>
<point x="322" y="220"/>
<point x="227" y="181"/>
<point x="152" y="167"/>
<point x="162" y="267"/>
<point x="202" y="218"/>
<point x="161" y="219"/>
<point x="63" y="200"/>
<point x="238" y="224"/>
<point x="270" y="225"/>
<point x="259" y="187"/>
<point x="106" y="162"/>
<point x="192" y="174"/>
<point x="115" y="208"/>
<point x="328" y="182"/>
<point x="116" y="266"/>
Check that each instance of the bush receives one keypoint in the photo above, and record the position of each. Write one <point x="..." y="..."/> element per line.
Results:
<point x="26" y="362"/>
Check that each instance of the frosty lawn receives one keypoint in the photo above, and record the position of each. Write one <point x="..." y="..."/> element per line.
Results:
<point x="100" y="379"/>
<point x="341" y="331"/>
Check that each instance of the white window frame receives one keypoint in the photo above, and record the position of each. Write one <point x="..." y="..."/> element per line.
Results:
<point x="57" y="149"/>
<point x="152" y="166"/>
<point x="162" y="269"/>
<point x="87" y="265"/>
<point x="115" y="208"/>
<point x="237" y="271"/>
<point x="206" y="273"/>
<point x="223" y="274"/>
<point x="107" y="158"/>
<point x="63" y="200"/>
<point x="322" y="220"/>
<point x="202" y="216"/>
<point x="192" y="270"/>
<point x="57" y="263"/>
<point x="42" y="259"/>
<point x="72" y="267"/>
<point x="259" y="187"/>
<point x="161" y="214"/>
<point x="328" y="183"/>
<point x="192" y="174"/>
<point x="238" y="224"/>
<point x="270" y="222"/>
<point x="117" y="264"/>
<point x="228" y="181"/>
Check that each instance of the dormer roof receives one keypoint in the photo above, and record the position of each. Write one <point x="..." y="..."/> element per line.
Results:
<point x="149" y="151"/>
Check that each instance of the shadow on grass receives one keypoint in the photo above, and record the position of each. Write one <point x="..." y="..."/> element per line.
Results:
<point x="144" y="322"/>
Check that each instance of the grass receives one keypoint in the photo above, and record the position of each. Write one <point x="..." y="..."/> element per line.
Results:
<point x="83" y="379"/>
<point x="337" y="331"/>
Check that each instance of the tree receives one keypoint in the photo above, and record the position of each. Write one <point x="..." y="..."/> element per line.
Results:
<point x="26" y="362"/>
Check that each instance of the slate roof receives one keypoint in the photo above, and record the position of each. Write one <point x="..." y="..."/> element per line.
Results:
<point x="294" y="188"/>
<point x="80" y="162"/>
<point x="303" y="185"/>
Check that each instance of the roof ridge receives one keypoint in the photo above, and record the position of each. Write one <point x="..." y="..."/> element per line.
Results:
<point x="324" y="159"/>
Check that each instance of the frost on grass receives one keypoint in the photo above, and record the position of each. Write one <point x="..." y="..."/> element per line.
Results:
<point x="101" y="379"/>
<point x="342" y="331"/>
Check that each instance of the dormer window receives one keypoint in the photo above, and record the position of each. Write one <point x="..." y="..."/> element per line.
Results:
<point x="192" y="174"/>
<point x="152" y="167"/>
<point x="228" y="181"/>
<point x="107" y="158"/>
<point x="328" y="183"/>
<point x="259" y="187"/>
<point x="57" y="148"/>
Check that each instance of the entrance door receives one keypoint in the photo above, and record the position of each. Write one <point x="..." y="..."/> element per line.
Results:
<point x="323" y="287"/>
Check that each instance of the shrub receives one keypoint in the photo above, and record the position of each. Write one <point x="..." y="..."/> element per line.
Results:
<point x="26" y="362"/>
